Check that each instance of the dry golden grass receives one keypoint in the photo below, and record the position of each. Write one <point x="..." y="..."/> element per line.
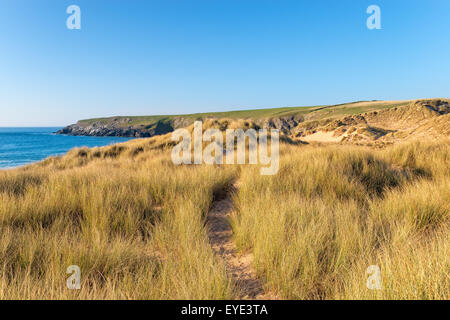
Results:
<point x="331" y="212"/>
<point x="135" y="228"/>
<point x="135" y="223"/>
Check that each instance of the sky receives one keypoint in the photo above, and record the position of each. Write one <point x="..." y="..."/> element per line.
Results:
<point x="136" y="57"/>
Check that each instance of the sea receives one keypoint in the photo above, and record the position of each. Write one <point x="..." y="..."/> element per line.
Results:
<point x="21" y="146"/>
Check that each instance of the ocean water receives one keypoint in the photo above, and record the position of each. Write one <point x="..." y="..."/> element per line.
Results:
<point x="20" y="146"/>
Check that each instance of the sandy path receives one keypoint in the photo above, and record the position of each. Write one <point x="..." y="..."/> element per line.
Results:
<point x="238" y="266"/>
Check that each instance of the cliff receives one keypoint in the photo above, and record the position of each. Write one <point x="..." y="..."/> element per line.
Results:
<point x="359" y="122"/>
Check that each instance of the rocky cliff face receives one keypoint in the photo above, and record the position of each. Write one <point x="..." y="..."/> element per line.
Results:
<point x="117" y="128"/>
<point x="284" y="124"/>
<point x="120" y="127"/>
<point x="78" y="130"/>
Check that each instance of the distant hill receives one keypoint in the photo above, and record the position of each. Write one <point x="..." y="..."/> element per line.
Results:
<point x="362" y="122"/>
<point x="147" y="126"/>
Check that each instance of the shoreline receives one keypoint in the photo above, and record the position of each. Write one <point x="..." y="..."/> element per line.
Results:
<point x="24" y="146"/>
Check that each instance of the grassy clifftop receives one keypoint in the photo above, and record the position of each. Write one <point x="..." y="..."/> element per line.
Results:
<point x="318" y="112"/>
<point x="147" y="126"/>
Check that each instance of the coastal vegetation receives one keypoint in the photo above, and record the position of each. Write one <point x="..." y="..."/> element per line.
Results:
<point x="137" y="225"/>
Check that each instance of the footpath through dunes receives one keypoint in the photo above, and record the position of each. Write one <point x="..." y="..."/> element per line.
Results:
<point x="248" y="286"/>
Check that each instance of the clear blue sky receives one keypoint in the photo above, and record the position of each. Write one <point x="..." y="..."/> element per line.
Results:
<point x="169" y="57"/>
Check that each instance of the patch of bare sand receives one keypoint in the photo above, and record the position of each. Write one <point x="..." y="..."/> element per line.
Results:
<point x="321" y="136"/>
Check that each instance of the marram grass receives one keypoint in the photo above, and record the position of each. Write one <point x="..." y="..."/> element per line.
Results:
<point x="135" y="223"/>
